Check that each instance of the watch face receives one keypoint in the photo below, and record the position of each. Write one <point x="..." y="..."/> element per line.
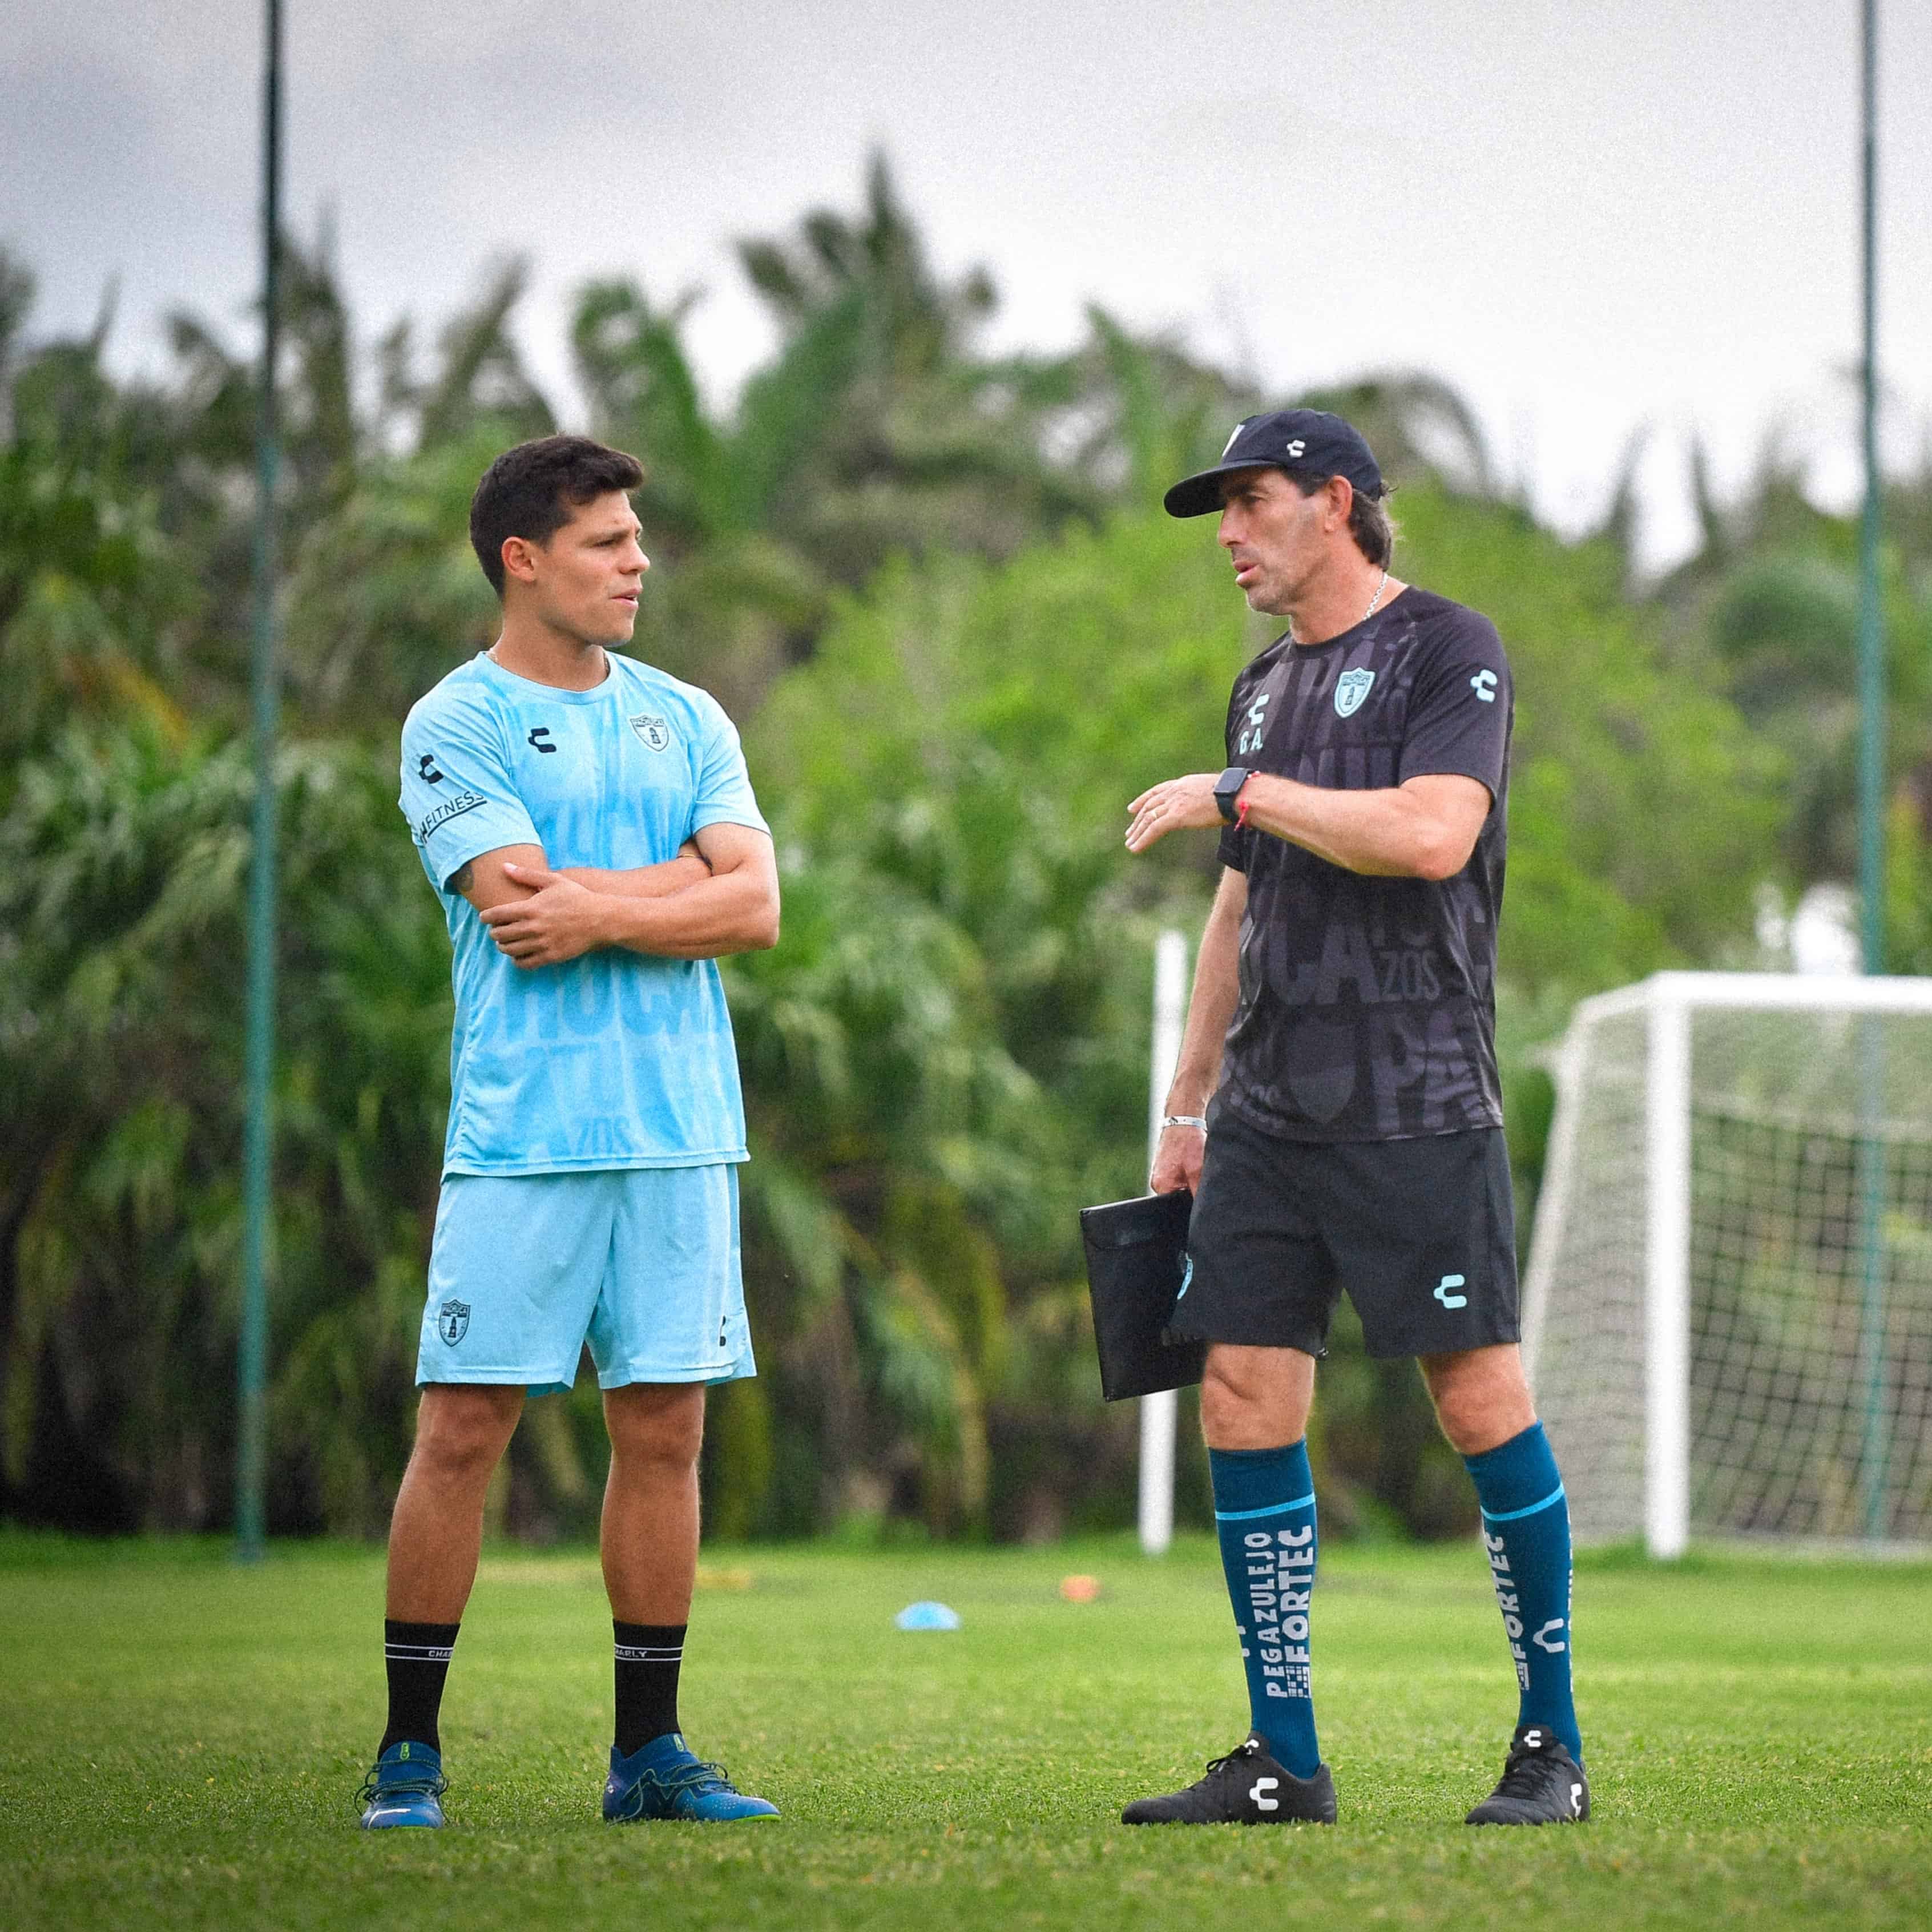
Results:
<point x="1228" y="789"/>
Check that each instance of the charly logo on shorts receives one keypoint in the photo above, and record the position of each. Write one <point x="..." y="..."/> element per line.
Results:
<point x="654" y="732"/>
<point x="1350" y="687"/>
<point x="452" y="1322"/>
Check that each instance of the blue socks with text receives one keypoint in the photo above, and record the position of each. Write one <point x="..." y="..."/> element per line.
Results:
<point x="1264" y="1515"/>
<point x="1526" y="1532"/>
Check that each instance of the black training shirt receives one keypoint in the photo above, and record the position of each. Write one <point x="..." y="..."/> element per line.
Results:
<point x="1367" y="1008"/>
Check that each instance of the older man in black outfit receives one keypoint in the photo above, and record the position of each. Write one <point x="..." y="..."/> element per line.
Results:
<point x="1336" y="1110"/>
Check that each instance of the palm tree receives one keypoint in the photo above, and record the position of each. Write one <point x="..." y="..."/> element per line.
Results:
<point x="1766" y="608"/>
<point x="878" y="428"/>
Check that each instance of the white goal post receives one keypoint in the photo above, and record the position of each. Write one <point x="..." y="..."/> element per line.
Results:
<point x="1727" y="1314"/>
<point x="1159" y="1410"/>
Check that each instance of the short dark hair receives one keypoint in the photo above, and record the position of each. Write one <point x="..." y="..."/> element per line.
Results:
<point x="530" y="491"/>
<point x="1369" y="523"/>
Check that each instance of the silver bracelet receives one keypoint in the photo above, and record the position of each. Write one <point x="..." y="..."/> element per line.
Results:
<point x="1183" y="1120"/>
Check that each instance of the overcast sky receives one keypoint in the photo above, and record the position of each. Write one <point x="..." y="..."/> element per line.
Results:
<point x="1593" y="218"/>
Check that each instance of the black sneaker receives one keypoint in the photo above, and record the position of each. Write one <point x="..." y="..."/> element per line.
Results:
<point x="1245" y="1787"/>
<point x="1541" y="1784"/>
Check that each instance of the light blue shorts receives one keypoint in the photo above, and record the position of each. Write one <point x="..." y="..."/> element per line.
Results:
<point x="642" y="1263"/>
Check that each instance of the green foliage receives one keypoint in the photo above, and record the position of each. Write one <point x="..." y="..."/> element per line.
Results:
<point x="1767" y="612"/>
<point x="384" y="595"/>
<point x="126" y="858"/>
<point x="644" y="395"/>
<point x="90" y="586"/>
<point x="931" y="585"/>
<point x="1908" y="937"/>
<point x="964" y="972"/>
<point x="1640" y="805"/>
<point x="968" y="735"/>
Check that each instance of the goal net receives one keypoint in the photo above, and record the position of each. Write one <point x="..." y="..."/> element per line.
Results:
<point x="1728" y="1311"/>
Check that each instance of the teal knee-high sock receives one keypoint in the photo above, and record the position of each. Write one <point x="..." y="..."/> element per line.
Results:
<point x="1526" y="1532"/>
<point x="1264" y="1513"/>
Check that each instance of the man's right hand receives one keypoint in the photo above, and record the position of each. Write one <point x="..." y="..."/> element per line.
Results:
<point x="1176" y="1161"/>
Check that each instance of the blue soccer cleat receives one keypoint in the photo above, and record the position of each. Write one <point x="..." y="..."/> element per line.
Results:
<point x="404" y="1788"/>
<point x="663" y="1780"/>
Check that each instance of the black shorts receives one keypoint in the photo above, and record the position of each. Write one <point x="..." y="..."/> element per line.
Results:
<point x="1421" y="1233"/>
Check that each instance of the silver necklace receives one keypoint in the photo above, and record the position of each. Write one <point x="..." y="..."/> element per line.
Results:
<point x="1366" y="615"/>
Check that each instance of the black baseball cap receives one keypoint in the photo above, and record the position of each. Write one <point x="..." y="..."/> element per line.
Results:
<point x="1307" y="439"/>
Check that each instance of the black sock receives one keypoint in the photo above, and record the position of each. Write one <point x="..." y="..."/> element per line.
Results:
<point x="648" y="1656"/>
<point x="417" y="1658"/>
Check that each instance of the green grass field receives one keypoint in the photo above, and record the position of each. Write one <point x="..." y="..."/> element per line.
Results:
<point x="181" y="1741"/>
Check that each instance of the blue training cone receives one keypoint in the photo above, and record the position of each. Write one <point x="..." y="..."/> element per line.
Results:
<point x="926" y="1615"/>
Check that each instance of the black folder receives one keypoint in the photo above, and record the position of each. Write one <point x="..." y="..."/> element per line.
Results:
<point x="1136" y="1254"/>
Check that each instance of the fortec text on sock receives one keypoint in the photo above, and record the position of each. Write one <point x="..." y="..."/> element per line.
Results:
<point x="1279" y="1580"/>
<point x="1507" y="1602"/>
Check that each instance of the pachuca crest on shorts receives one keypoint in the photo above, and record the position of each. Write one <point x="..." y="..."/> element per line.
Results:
<point x="1367" y="1008"/>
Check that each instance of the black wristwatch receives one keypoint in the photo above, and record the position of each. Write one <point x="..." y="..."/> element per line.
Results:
<point x="1228" y="788"/>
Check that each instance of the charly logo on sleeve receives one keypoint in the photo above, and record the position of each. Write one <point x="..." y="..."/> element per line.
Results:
<point x="653" y="733"/>
<point x="451" y="808"/>
<point x="1350" y="687"/>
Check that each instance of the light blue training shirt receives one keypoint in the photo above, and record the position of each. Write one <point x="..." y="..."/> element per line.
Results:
<point x="615" y="1059"/>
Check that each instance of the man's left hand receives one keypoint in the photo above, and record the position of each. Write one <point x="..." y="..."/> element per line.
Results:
<point x="561" y="920"/>
<point x="1175" y="805"/>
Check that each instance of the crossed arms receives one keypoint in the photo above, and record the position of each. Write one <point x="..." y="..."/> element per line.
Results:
<point x="720" y="895"/>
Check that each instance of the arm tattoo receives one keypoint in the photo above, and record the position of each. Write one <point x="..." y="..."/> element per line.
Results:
<point x="462" y="878"/>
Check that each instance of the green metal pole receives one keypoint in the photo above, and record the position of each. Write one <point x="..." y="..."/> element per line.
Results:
<point x="1874" y="1451"/>
<point x="251" y="1451"/>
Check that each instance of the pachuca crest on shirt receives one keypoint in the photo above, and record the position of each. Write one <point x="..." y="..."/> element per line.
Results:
<point x="1367" y="1007"/>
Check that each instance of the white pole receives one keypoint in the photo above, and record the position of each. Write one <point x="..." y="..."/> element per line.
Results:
<point x="1666" y="1355"/>
<point x="1569" y="1068"/>
<point x="1170" y="1011"/>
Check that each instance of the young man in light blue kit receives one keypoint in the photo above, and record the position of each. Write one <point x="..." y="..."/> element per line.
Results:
<point x="589" y="827"/>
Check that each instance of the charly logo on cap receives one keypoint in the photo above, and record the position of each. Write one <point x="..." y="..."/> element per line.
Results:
<point x="1294" y="447"/>
<point x="1350" y="687"/>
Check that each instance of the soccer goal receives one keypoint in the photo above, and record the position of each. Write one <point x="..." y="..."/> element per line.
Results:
<point x="1728" y="1312"/>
